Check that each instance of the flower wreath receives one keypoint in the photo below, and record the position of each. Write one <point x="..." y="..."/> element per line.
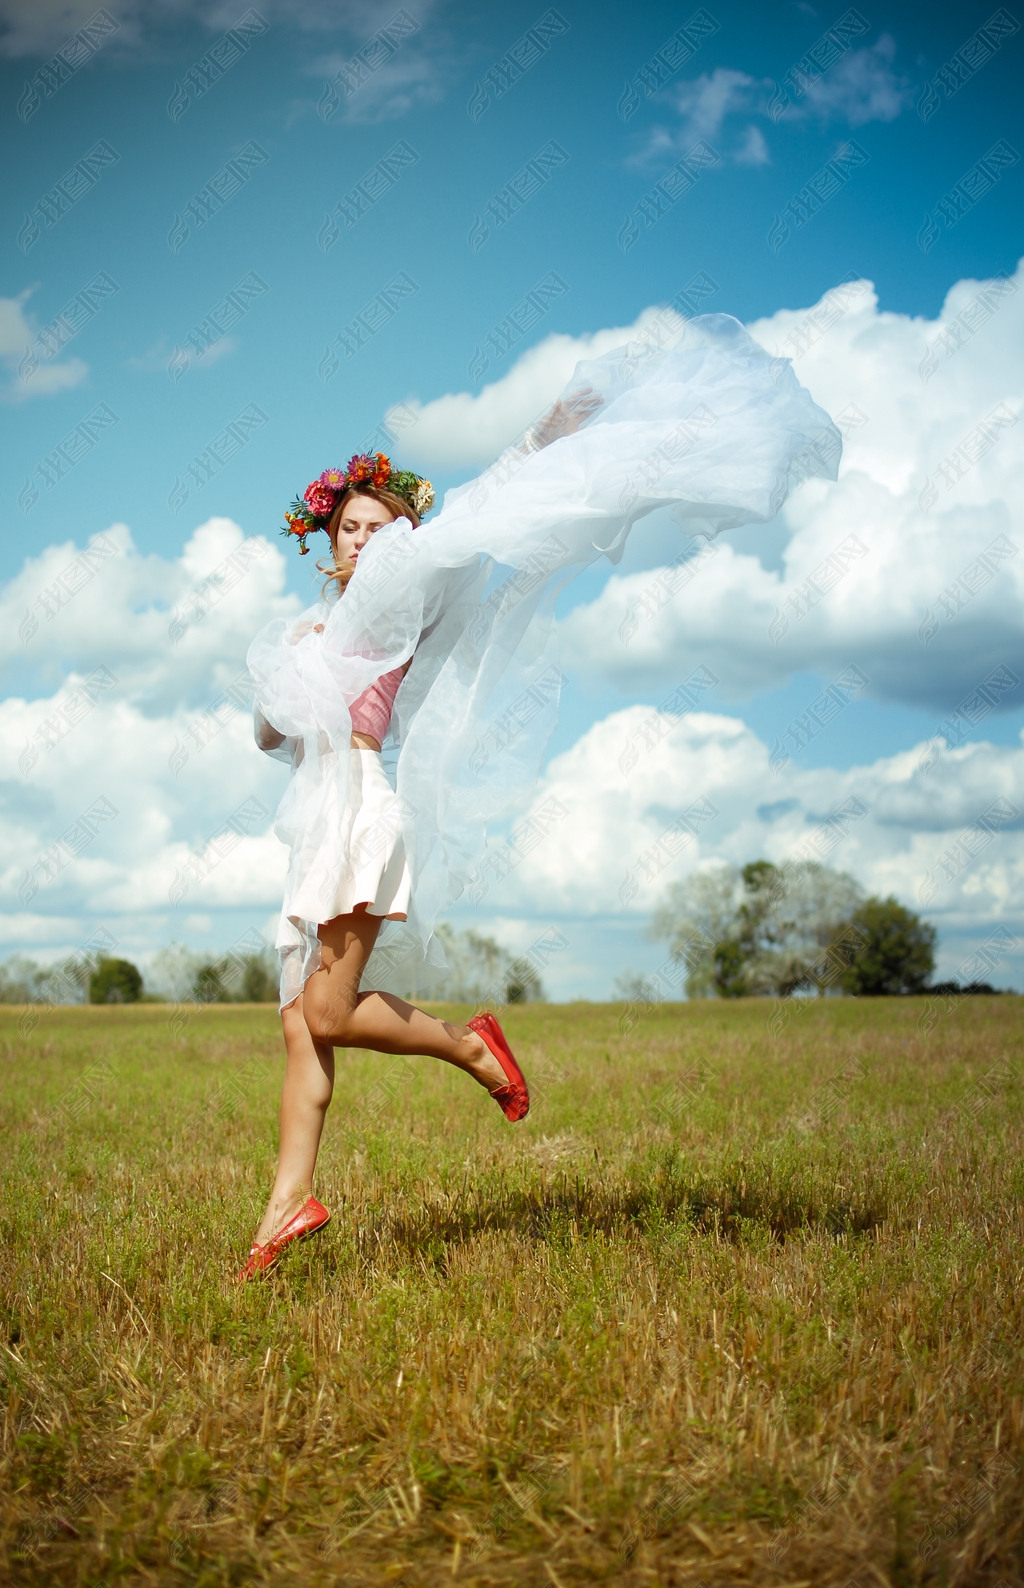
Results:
<point x="312" y="510"/>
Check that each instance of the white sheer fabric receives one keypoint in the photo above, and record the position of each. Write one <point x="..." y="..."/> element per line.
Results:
<point x="710" y="423"/>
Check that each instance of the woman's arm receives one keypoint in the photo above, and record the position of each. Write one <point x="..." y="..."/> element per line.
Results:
<point x="267" y="737"/>
<point x="562" y="420"/>
<point x="318" y="628"/>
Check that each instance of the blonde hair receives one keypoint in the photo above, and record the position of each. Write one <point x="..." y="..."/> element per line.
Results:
<point x="338" y="573"/>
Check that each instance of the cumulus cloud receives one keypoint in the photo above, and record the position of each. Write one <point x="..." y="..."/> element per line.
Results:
<point x="114" y="820"/>
<point x="123" y="816"/>
<point x="131" y="787"/>
<point x="39" y="27"/>
<point x="173" y="630"/>
<point x="909" y="565"/>
<point x="646" y="797"/>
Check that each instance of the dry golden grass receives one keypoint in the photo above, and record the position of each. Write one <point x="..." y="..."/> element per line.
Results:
<point x="739" y="1302"/>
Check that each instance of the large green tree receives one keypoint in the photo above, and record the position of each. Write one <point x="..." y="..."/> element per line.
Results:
<point x="115" y="981"/>
<point x="759" y="928"/>
<point x="896" y="950"/>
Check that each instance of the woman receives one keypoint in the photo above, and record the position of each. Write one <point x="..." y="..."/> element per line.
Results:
<point x="330" y="1011"/>
<point x="703" y="419"/>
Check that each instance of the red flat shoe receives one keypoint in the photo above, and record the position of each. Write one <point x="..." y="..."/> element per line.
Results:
<point x="513" y="1099"/>
<point x="307" y="1221"/>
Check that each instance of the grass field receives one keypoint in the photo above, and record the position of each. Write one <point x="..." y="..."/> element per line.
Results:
<point x="741" y="1301"/>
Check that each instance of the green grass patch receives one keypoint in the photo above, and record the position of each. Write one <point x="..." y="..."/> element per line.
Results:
<point x="740" y="1301"/>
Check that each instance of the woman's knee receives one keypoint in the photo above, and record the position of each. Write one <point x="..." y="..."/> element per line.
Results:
<point x="328" y="1007"/>
<point x="293" y="1024"/>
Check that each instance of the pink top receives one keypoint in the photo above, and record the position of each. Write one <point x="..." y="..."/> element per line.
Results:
<point x="371" y="711"/>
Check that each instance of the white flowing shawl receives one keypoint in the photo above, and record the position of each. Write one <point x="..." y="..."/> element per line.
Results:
<point x="711" y="424"/>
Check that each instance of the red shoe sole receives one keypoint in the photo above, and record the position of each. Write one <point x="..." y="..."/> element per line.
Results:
<point x="513" y="1099"/>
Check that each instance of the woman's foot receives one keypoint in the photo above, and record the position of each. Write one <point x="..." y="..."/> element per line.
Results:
<point x="280" y="1211"/>
<point x="481" y="1063"/>
<point x="513" y="1095"/>
<point x="311" y="1216"/>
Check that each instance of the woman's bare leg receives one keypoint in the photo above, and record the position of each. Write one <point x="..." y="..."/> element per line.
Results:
<point x="332" y="1012"/>
<point x="336" y="1012"/>
<point x="308" y="1084"/>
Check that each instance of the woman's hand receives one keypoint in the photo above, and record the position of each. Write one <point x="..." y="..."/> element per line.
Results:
<point x="564" y="418"/>
<point x="300" y="631"/>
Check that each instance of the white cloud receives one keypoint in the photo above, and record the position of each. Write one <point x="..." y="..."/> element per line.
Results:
<point x="704" y="105"/>
<point x="412" y="80"/>
<point x="28" y="928"/>
<point x="862" y="87"/>
<point x="161" y="358"/>
<point x="611" y="809"/>
<point x="38" y="27"/>
<point x="147" y="736"/>
<point x="909" y="566"/>
<point x="40" y="377"/>
<point x="614" y="813"/>
<point x="43" y="25"/>
<point x="705" y="102"/>
<point x="753" y="150"/>
<point x="107" y="605"/>
<point x="152" y="812"/>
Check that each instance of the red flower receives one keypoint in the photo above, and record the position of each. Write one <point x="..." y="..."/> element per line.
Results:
<point x="320" y="500"/>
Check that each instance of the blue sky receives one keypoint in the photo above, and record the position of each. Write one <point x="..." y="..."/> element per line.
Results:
<point x="909" y="121"/>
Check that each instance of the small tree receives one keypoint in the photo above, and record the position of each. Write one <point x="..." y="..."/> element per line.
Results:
<point x="896" y="954"/>
<point x="522" y="984"/>
<point x="21" y="980"/>
<point x="115" y="981"/>
<point x="479" y="965"/>
<point x="208" y="987"/>
<point x="173" y="971"/>
<point x="260" y="979"/>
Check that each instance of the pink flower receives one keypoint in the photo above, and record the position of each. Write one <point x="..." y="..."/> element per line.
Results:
<point x="333" y="479"/>
<point x="319" y="500"/>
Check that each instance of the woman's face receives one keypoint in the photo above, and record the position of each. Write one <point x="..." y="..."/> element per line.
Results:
<point x="360" y="518"/>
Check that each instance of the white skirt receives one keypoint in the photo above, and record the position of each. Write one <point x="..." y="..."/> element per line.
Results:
<point x="375" y="872"/>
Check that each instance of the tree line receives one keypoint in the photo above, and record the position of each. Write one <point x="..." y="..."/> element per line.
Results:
<point x="481" y="970"/>
<point x="800" y="927"/>
<point x="733" y="932"/>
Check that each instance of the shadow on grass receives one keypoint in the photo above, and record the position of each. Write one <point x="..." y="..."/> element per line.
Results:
<point x="740" y="1209"/>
